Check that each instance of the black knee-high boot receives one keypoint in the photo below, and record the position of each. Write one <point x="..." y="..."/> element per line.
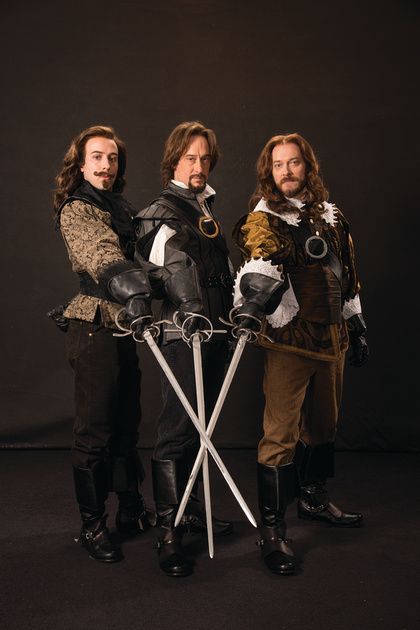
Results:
<point x="277" y="487"/>
<point x="132" y="517"/>
<point x="169" y="481"/>
<point x="315" y="465"/>
<point x="91" y="485"/>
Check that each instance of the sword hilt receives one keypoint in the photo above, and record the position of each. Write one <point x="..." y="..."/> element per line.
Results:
<point x="205" y="334"/>
<point x="143" y="323"/>
<point x="237" y="330"/>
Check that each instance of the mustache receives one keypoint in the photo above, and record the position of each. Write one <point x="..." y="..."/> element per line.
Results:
<point x="99" y="174"/>
<point x="289" y="179"/>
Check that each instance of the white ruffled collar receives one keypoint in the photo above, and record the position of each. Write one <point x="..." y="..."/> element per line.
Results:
<point x="330" y="212"/>
<point x="294" y="217"/>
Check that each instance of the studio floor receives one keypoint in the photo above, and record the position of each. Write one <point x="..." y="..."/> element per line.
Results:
<point x="364" y="578"/>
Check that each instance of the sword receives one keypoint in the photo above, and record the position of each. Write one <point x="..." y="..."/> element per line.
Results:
<point x="240" y="346"/>
<point x="199" y="387"/>
<point x="147" y="336"/>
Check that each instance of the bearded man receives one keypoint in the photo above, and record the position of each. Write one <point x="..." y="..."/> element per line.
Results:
<point x="299" y="277"/>
<point x="184" y="252"/>
<point x="96" y="223"/>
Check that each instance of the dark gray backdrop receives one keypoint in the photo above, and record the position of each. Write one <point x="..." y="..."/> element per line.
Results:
<point x="342" y="74"/>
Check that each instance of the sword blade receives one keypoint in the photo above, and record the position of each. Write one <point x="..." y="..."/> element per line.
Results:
<point x="184" y="401"/>
<point x="240" y="346"/>
<point x="199" y="388"/>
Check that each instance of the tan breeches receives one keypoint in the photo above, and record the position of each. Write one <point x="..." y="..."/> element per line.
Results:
<point x="302" y="398"/>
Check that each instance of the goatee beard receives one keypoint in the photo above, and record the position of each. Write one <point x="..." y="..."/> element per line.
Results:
<point x="198" y="188"/>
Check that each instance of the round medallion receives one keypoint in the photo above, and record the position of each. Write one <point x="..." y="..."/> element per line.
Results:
<point x="316" y="247"/>
<point x="208" y="227"/>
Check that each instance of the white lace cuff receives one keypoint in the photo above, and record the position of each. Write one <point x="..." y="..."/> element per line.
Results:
<point x="288" y="306"/>
<point x="286" y="310"/>
<point x="352" y="307"/>
<point x="255" y="265"/>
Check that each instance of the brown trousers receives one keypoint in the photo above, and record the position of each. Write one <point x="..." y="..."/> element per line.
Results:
<point x="302" y="398"/>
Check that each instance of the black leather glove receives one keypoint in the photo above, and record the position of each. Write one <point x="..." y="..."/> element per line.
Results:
<point x="358" y="343"/>
<point x="193" y="324"/>
<point x="248" y="323"/>
<point x="261" y="295"/>
<point x="359" y="350"/>
<point x="138" y="306"/>
<point x="183" y="289"/>
<point x="58" y="317"/>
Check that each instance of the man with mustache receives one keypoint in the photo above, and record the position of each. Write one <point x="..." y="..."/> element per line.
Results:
<point x="96" y="222"/>
<point x="299" y="277"/>
<point x="181" y="246"/>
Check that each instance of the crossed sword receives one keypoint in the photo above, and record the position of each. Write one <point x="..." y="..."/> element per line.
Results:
<point x="149" y="333"/>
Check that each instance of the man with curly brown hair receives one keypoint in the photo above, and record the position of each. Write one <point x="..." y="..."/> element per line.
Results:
<point x="97" y="227"/>
<point x="299" y="277"/>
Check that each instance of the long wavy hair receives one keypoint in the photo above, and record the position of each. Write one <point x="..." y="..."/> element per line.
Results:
<point x="266" y="187"/>
<point x="70" y="176"/>
<point x="179" y="141"/>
